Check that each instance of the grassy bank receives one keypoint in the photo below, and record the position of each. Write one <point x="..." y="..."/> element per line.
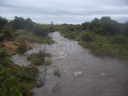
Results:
<point x="23" y="77"/>
<point x="104" y="37"/>
<point x="104" y="46"/>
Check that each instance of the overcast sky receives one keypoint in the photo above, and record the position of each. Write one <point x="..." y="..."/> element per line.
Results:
<point x="64" y="11"/>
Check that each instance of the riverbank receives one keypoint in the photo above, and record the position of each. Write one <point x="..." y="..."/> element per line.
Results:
<point x="23" y="77"/>
<point x="99" y="45"/>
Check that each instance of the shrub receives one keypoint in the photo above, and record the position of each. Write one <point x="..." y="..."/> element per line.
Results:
<point x="1" y="37"/>
<point x="8" y="84"/>
<point x="7" y="31"/>
<point x="22" y="48"/>
<point x="119" y="39"/>
<point x="87" y="37"/>
<point x="37" y="58"/>
<point x="47" y="62"/>
<point x="3" y="52"/>
<point x="56" y="72"/>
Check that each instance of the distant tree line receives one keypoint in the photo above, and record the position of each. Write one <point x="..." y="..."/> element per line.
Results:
<point x="103" y="26"/>
<point x="8" y="27"/>
<point x="106" y="26"/>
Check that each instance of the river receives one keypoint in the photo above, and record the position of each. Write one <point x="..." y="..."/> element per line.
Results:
<point x="82" y="74"/>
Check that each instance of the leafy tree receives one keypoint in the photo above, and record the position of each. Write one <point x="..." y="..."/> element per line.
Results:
<point x="125" y="29"/>
<point x="29" y="23"/>
<point x="40" y="30"/>
<point x="18" y="22"/>
<point x="52" y="23"/>
<point x="3" y="22"/>
<point x="7" y="30"/>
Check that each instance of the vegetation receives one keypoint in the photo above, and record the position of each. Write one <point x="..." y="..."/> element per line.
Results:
<point x="17" y="35"/>
<point x="56" y="72"/>
<point x="16" y="80"/>
<point x="104" y="37"/>
<point x="39" y="58"/>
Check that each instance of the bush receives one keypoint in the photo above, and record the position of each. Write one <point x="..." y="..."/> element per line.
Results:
<point x="7" y="31"/>
<point x="41" y="31"/>
<point x="8" y="84"/>
<point x="3" y="52"/>
<point x="1" y="37"/>
<point x="87" y="37"/>
<point x="119" y="39"/>
<point x="56" y="72"/>
<point x="37" y="58"/>
<point x="22" y="48"/>
<point x="47" y="62"/>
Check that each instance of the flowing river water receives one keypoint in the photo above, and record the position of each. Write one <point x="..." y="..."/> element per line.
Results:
<point x="82" y="74"/>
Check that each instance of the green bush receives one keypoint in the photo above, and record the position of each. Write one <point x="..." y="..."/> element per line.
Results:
<point x="1" y="36"/>
<point x="8" y="32"/>
<point x="47" y="62"/>
<point x="119" y="39"/>
<point x="22" y="48"/>
<point x="8" y="84"/>
<point x="56" y="72"/>
<point x="37" y="58"/>
<point x="87" y="37"/>
<point x="3" y="52"/>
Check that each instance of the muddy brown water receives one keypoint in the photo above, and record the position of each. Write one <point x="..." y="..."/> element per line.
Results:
<point x="82" y="74"/>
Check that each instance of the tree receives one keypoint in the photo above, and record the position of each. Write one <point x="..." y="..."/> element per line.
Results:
<point x="125" y="29"/>
<point x="52" y="23"/>
<point x="39" y="30"/>
<point x="29" y="23"/>
<point x="18" y="22"/>
<point x="7" y="30"/>
<point x="3" y="22"/>
<point x="85" y="25"/>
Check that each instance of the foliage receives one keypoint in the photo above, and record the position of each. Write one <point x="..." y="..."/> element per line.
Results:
<point x="125" y="29"/>
<point x="7" y="31"/>
<point x="8" y="84"/>
<point x="22" y="48"/>
<point x="103" y="26"/>
<point x="119" y="39"/>
<point x="20" y="80"/>
<point x="21" y="23"/>
<point x="16" y="80"/>
<point x="3" y="22"/>
<point x="47" y="62"/>
<point x="2" y="52"/>
<point x="56" y="72"/>
<point x="37" y="58"/>
<point x="104" y="37"/>
<point x="87" y="37"/>
<point x="40" y="30"/>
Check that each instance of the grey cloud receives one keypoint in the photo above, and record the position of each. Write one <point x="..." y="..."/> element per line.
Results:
<point x="62" y="11"/>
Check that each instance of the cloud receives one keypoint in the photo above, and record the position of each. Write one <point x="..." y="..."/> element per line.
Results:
<point x="64" y="11"/>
